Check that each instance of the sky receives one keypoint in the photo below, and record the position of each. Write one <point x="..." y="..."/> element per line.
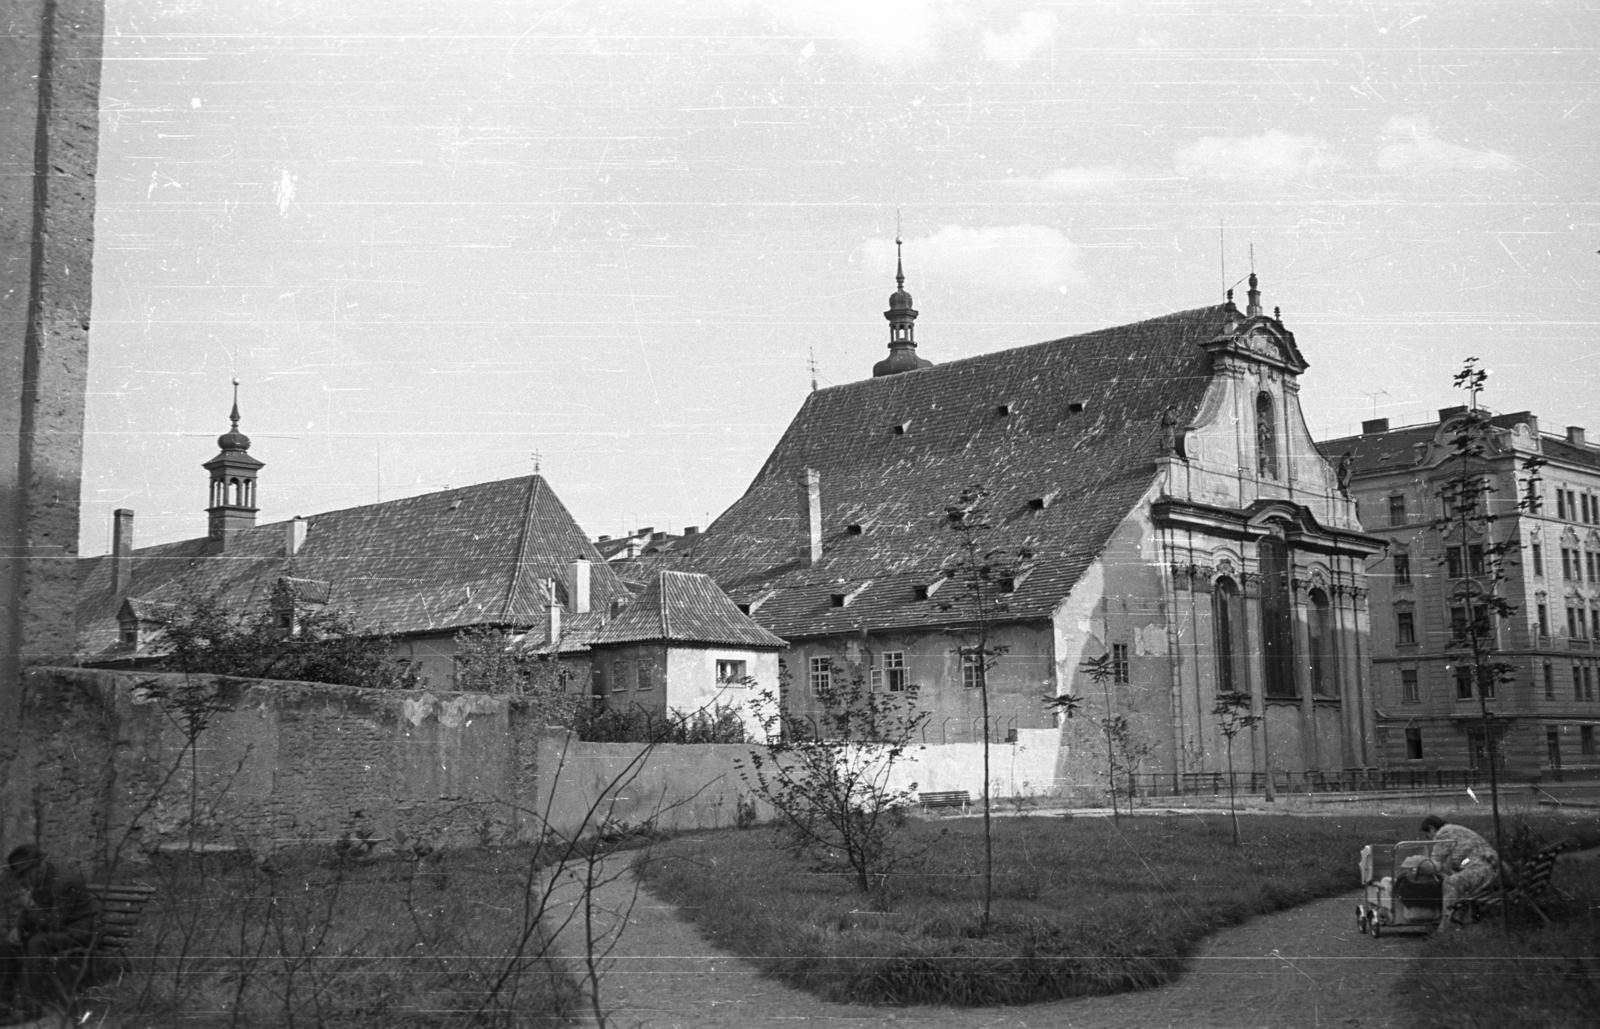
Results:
<point x="441" y="244"/>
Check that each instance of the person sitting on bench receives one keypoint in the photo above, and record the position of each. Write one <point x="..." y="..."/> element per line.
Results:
<point x="58" y="914"/>
<point x="1465" y="859"/>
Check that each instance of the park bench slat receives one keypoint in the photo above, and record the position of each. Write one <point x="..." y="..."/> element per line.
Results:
<point x="944" y="798"/>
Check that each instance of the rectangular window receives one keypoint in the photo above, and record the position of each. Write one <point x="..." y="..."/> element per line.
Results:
<point x="894" y="671"/>
<point x="597" y="679"/>
<point x="821" y="675"/>
<point x="1572" y="505"/>
<point x="645" y="680"/>
<point x="1589" y="563"/>
<point x="1408" y="686"/>
<point x="619" y="677"/>
<point x="1119" y="664"/>
<point x="1458" y="624"/>
<point x="972" y="676"/>
<point x="1463" y="682"/>
<point x="1452" y="562"/>
<point x="1413" y="744"/>
<point x="1588" y="683"/>
<point x="1544" y="620"/>
<point x="1566" y="563"/>
<point x="1577" y="682"/>
<point x="1405" y="627"/>
<point x="1572" y="623"/>
<point x="1549" y="681"/>
<point x="731" y="672"/>
<point x="1586" y="740"/>
<point x="1397" y="510"/>
<point x="1561" y="504"/>
<point x="1594" y="623"/>
<point x="1538" y="559"/>
<point x="1402" y="568"/>
<point x="1475" y="559"/>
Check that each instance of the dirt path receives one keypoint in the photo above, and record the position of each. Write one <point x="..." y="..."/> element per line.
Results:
<point x="1306" y="967"/>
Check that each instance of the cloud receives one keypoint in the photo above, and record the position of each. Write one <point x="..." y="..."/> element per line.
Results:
<point x="1414" y="150"/>
<point x="1023" y="257"/>
<point x="1035" y="30"/>
<point x="1077" y="181"/>
<point x="1271" y="157"/>
<point x="881" y="31"/>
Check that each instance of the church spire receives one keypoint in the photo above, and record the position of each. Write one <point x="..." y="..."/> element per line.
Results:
<point x="233" y="483"/>
<point x="901" y="315"/>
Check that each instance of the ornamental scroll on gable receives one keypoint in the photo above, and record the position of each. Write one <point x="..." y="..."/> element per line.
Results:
<point x="1260" y="339"/>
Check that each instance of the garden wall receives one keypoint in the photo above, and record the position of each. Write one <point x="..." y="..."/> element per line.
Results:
<point x="278" y="764"/>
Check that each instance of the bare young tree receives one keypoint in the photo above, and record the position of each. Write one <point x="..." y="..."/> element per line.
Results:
<point x="1233" y="717"/>
<point x="1476" y="561"/>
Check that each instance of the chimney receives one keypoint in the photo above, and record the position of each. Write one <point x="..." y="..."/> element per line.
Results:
<point x="1374" y="425"/>
<point x="121" y="549"/>
<point x="691" y="530"/>
<point x="810" y="483"/>
<point x="1574" y="436"/>
<point x="294" y="535"/>
<point x="552" y="613"/>
<point x="1447" y="413"/>
<point x="618" y="603"/>
<point x="579" y="586"/>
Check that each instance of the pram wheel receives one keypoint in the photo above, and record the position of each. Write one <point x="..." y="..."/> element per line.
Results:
<point x="1373" y="926"/>
<point x="1361" y="918"/>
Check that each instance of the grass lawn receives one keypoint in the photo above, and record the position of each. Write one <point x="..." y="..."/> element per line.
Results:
<point x="1534" y="977"/>
<point x="1081" y="906"/>
<point x="310" y="942"/>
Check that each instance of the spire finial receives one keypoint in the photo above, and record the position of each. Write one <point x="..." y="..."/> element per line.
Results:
<point x="811" y="363"/>
<point x="234" y="414"/>
<point x="899" y="269"/>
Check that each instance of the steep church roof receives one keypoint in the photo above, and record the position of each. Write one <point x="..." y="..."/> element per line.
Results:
<point x="684" y="607"/>
<point x="430" y="563"/>
<point x="1063" y="434"/>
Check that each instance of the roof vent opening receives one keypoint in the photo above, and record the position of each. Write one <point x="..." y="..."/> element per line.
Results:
<point x="849" y="596"/>
<point x="1040" y="503"/>
<point x="744" y="609"/>
<point x="899" y="428"/>
<point x="1005" y="409"/>
<point x="840" y="599"/>
<point x="455" y="504"/>
<point x="1075" y="407"/>
<point x="1013" y="582"/>
<point x="926" y="590"/>
<point x="860" y="528"/>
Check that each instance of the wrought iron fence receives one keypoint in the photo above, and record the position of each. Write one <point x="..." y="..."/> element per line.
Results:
<point x="1349" y="780"/>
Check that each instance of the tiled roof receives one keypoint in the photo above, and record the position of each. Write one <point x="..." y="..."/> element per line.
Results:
<point x="1374" y="452"/>
<point x="684" y="607"/>
<point x="431" y="563"/>
<point x="1093" y="463"/>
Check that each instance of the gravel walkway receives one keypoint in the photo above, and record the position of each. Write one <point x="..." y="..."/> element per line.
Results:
<point x="1306" y="967"/>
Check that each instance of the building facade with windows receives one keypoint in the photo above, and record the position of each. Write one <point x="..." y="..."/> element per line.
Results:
<point x="1422" y="586"/>
<point x="1153" y="497"/>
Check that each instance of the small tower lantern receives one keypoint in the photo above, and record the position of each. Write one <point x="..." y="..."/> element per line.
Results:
<point x="233" y="484"/>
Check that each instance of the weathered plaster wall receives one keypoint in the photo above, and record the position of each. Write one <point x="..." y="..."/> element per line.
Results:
<point x="49" y="139"/>
<point x="692" y="682"/>
<point x="1019" y="682"/>
<point x="278" y="763"/>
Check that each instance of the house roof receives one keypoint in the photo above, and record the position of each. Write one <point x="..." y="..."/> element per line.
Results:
<point x="1395" y="449"/>
<point x="894" y="452"/>
<point x="425" y="564"/>
<point x="684" y="607"/>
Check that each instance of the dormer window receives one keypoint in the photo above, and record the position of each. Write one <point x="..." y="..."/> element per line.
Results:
<point x="1040" y="503"/>
<point x="1005" y="410"/>
<point x="899" y="428"/>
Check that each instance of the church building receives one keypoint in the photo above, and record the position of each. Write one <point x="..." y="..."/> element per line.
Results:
<point x="1157" y="502"/>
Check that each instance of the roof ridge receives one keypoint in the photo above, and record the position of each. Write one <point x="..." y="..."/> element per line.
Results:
<point x="519" y="558"/>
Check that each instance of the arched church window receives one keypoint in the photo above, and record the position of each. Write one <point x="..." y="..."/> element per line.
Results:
<point x="1266" y="437"/>
<point x="1324" y="656"/>
<point x="1227" y="619"/>
<point x="1277" y="619"/>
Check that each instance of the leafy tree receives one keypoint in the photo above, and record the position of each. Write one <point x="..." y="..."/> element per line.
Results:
<point x="489" y="660"/>
<point x="832" y="784"/>
<point x="720" y="723"/>
<point x="1468" y="528"/>
<point x="1233" y="717"/>
<point x="982" y="576"/>
<point x="206" y="637"/>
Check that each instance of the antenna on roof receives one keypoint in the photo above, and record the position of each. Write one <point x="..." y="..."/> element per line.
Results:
<point x="1222" y="252"/>
<point x="1252" y="258"/>
<point x="1374" y="398"/>
<point x="899" y="269"/>
<point x="811" y="366"/>
<point x="536" y="457"/>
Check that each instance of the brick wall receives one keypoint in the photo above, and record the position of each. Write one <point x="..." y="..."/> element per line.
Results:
<point x="278" y="764"/>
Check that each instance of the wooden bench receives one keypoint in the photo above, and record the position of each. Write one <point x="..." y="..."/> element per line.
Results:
<point x="1522" y="885"/>
<point x="944" y="798"/>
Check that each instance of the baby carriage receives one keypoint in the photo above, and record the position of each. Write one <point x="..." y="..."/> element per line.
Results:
<point x="1404" y="888"/>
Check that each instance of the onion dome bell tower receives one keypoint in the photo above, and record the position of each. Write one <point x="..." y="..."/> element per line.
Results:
<point x="233" y="484"/>
<point x="902" y="341"/>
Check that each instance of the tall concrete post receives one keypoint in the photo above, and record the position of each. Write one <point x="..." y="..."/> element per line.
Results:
<point x="49" y="138"/>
